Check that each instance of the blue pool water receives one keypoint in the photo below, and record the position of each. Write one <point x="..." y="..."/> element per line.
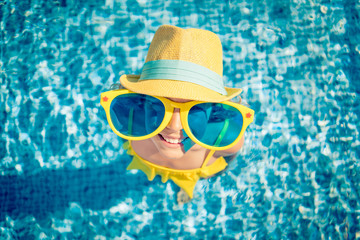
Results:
<point x="62" y="170"/>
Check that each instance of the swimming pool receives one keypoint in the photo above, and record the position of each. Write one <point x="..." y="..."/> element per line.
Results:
<point x="63" y="170"/>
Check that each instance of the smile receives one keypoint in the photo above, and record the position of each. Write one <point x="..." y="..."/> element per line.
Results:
<point x="171" y="140"/>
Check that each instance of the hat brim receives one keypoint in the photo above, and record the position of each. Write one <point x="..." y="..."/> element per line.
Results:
<point x="176" y="89"/>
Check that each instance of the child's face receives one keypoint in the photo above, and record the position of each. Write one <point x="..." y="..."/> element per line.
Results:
<point x="168" y="141"/>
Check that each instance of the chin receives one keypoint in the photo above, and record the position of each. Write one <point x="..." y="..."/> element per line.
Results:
<point x="173" y="155"/>
<point x="170" y="153"/>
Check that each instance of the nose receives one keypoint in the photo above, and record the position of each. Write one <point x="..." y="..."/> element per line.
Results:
<point x="175" y="122"/>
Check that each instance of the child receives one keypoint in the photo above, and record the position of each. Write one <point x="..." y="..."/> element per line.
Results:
<point x="176" y="114"/>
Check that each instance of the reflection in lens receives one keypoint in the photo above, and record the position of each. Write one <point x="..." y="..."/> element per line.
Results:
<point x="215" y="124"/>
<point x="136" y="115"/>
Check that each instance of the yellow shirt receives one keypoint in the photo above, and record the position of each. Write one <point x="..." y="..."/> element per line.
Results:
<point x="186" y="179"/>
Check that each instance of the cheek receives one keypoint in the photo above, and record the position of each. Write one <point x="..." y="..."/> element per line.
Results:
<point x="155" y="139"/>
<point x="158" y="143"/>
<point x="197" y="147"/>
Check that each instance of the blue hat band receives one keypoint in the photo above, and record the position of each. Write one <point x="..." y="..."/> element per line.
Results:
<point x="183" y="71"/>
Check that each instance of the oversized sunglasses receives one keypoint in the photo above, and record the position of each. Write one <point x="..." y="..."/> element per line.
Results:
<point x="216" y="126"/>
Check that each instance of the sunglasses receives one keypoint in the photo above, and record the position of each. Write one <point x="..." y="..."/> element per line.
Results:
<point x="216" y="126"/>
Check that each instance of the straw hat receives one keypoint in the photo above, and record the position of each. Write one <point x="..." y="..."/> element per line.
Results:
<point x="182" y="63"/>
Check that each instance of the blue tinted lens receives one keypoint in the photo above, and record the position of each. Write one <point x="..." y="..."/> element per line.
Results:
<point x="215" y="124"/>
<point x="136" y="115"/>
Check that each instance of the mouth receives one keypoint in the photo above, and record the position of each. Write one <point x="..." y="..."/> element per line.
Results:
<point x="174" y="141"/>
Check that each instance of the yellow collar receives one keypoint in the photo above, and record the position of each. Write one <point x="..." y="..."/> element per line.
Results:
<point x="186" y="179"/>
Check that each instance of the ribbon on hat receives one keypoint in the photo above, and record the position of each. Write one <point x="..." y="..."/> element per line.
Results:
<point x="183" y="71"/>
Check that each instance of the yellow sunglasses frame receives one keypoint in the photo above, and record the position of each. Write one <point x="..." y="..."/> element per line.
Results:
<point x="109" y="96"/>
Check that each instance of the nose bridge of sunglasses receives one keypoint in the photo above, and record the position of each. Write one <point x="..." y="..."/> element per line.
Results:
<point x="175" y="105"/>
<point x="174" y="116"/>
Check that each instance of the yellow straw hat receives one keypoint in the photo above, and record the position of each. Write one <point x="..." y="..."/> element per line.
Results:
<point x="182" y="63"/>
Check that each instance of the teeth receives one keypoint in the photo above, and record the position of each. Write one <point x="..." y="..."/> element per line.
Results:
<point x="172" y="140"/>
